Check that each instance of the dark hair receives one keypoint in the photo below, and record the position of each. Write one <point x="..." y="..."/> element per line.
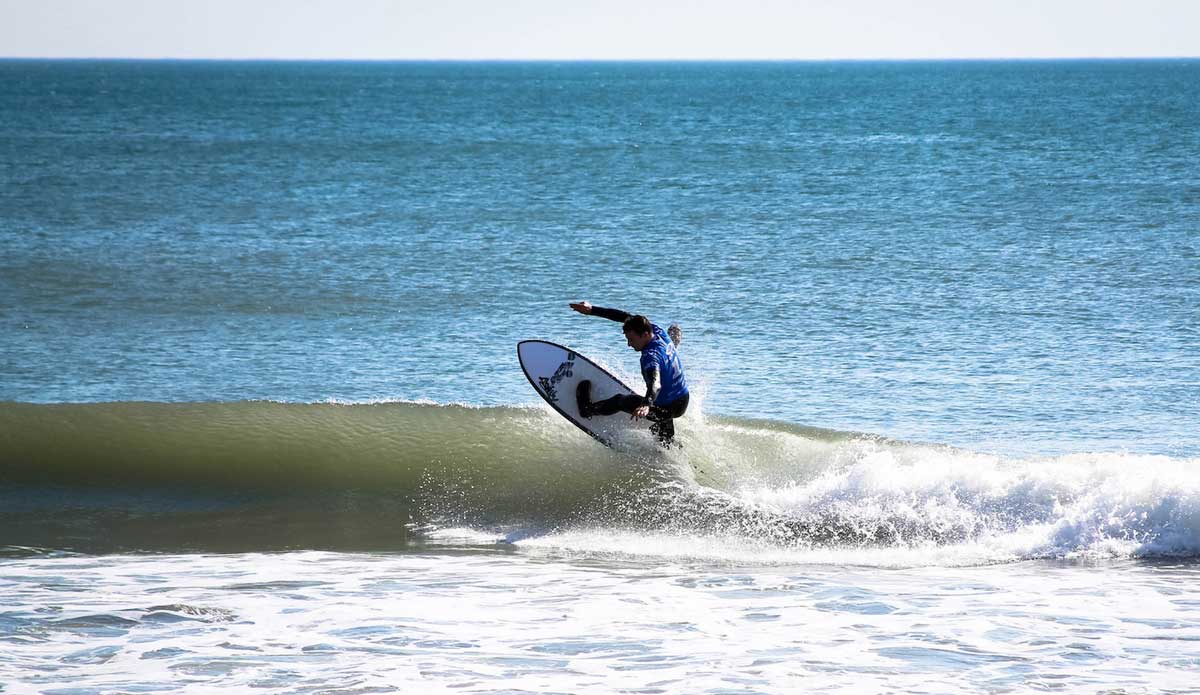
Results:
<point x="637" y="325"/>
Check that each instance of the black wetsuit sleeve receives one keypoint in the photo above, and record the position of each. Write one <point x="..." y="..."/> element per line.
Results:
<point x="610" y="314"/>
<point x="653" y="384"/>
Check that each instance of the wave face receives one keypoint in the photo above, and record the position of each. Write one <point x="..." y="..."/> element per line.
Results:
<point x="264" y="475"/>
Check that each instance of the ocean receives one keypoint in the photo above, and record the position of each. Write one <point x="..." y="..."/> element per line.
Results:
<point x="262" y="426"/>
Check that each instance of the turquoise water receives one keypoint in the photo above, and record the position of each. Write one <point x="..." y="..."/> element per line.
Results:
<point x="262" y="424"/>
<point x="998" y="255"/>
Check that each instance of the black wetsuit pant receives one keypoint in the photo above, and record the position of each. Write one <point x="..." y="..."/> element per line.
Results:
<point x="661" y="416"/>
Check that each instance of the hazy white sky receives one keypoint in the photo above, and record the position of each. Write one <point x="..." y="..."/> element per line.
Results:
<point x="599" y="29"/>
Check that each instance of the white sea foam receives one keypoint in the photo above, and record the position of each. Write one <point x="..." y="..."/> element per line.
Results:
<point x="777" y="497"/>
<point x="538" y="619"/>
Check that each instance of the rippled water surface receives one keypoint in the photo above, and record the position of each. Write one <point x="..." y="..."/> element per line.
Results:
<point x="998" y="255"/>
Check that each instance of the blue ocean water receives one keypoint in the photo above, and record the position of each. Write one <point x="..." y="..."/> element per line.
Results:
<point x="262" y="424"/>
<point x="1000" y="255"/>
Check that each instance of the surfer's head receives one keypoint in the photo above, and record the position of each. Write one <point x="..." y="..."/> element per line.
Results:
<point x="638" y="332"/>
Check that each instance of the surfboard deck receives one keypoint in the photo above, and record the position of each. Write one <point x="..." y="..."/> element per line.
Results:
<point x="555" y="370"/>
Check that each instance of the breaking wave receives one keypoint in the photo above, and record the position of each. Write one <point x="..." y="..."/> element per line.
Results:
<point x="216" y="476"/>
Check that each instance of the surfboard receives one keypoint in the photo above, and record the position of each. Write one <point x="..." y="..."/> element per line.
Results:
<point x="554" y="371"/>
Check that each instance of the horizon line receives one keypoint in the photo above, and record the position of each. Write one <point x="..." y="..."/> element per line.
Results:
<point x="964" y="59"/>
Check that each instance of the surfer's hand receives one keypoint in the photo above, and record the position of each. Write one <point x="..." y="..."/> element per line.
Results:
<point x="642" y="411"/>
<point x="582" y="307"/>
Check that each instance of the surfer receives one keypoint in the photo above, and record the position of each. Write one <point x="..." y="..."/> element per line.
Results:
<point x="666" y="388"/>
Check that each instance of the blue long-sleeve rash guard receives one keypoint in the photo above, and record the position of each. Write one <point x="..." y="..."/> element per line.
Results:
<point x="661" y="367"/>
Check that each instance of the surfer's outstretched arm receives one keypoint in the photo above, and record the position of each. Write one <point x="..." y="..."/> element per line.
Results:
<point x="604" y="313"/>
<point x="611" y="314"/>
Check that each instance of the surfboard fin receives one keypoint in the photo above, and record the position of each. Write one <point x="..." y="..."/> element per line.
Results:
<point x="583" y="398"/>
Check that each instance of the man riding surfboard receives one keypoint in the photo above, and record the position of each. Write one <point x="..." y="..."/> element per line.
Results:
<point x="666" y="395"/>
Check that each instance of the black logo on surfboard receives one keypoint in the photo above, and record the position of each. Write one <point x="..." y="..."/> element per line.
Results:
<point x="550" y="385"/>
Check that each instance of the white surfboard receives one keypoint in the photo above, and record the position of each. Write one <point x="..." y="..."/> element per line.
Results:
<point x="555" y="371"/>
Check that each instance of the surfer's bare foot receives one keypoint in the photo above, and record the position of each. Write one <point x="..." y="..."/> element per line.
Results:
<point x="583" y="398"/>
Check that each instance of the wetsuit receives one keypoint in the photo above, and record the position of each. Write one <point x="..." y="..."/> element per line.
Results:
<point x="666" y="386"/>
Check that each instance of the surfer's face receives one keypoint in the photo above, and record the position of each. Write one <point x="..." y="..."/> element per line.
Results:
<point x="638" y="341"/>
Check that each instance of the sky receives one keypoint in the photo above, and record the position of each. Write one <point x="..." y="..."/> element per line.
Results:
<point x="599" y="29"/>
